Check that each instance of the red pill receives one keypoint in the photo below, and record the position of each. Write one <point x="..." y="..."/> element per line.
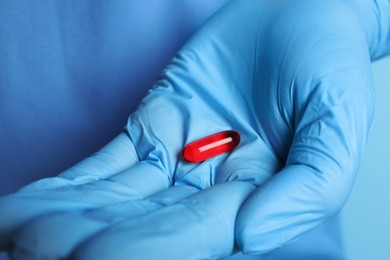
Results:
<point x="211" y="146"/>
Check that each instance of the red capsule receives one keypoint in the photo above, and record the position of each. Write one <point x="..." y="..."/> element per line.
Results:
<point x="211" y="146"/>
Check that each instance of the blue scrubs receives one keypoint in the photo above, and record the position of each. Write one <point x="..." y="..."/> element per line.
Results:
<point x="72" y="71"/>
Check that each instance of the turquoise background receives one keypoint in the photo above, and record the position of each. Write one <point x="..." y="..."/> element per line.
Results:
<point x="366" y="216"/>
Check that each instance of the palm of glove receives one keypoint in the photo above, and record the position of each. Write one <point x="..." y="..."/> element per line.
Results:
<point x="294" y="82"/>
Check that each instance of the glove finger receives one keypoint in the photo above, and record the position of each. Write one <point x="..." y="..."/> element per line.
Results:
<point x="132" y="209"/>
<point x="113" y="158"/>
<point x="68" y="229"/>
<point x="53" y="236"/>
<point x="137" y="182"/>
<point x="207" y="216"/>
<point x="16" y="210"/>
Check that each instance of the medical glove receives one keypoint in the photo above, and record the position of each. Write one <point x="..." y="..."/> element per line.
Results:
<point x="291" y="77"/>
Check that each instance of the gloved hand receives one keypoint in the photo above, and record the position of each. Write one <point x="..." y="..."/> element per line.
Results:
<point x="293" y="78"/>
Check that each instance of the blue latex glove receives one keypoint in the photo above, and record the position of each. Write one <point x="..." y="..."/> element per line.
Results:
<point x="292" y="78"/>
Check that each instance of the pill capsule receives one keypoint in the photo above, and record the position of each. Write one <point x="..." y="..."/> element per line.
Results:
<point x="210" y="146"/>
